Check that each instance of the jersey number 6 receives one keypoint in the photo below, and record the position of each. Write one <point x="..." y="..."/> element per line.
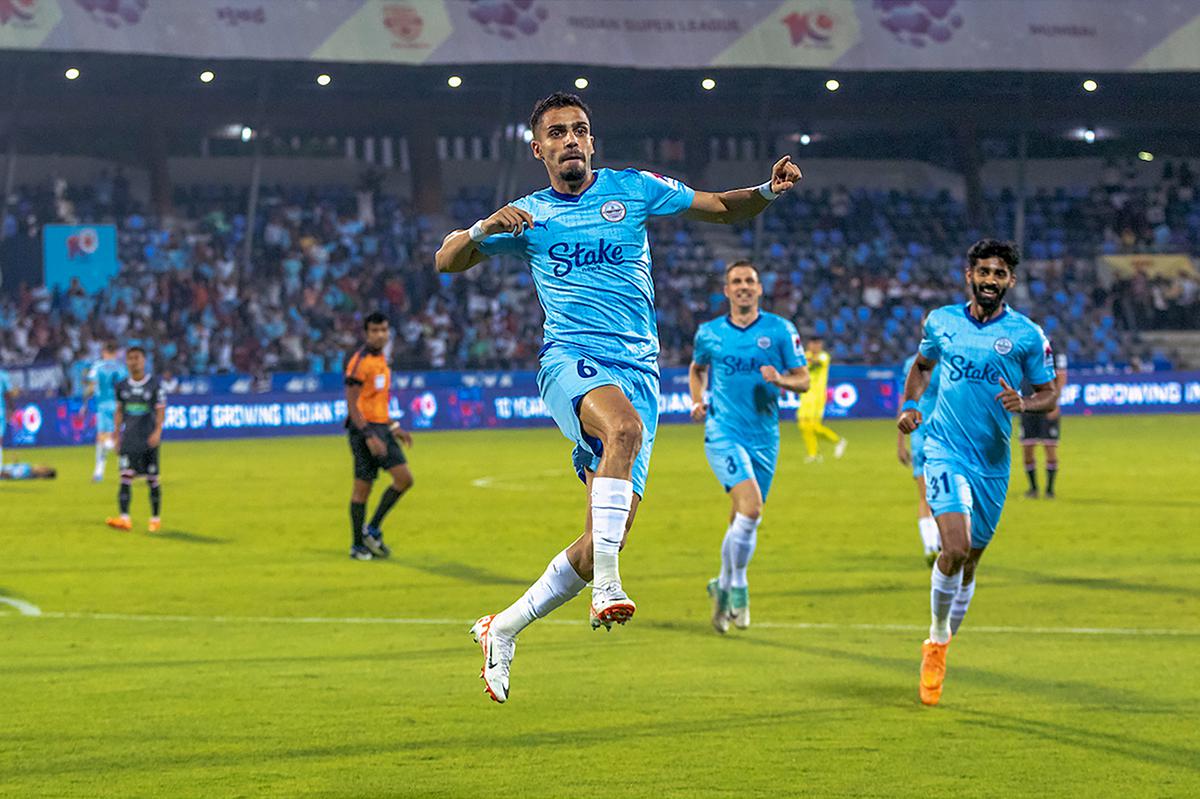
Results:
<point x="584" y="370"/>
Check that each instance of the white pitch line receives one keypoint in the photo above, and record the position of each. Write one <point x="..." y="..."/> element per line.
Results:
<point x="142" y="617"/>
<point x="23" y="607"/>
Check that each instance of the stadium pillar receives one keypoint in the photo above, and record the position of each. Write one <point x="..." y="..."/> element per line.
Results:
<point x="426" y="168"/>
<point x="255" y="175"/>
<point x="970" y="163"/>
<point x="10" y="133"/>
<point x="160" y="173"/>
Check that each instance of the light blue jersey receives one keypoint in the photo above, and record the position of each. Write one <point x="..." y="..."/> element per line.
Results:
<point x="968" y="423"/>
<point x="590" y="261"/>
<point x="925" y="405"/>
<point x="106" y="373"/>
<point x="742" y="404"/>
<point x="5" y="387"/>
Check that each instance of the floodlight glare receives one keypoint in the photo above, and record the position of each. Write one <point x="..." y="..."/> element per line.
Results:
<point x="1090" y="85"/>
<point x="454" y="81"/>
<point x="581" y="83"/>
<point x="323" y="79"/>
<point x="708" y="84"/>
<point x="207" y="76"/>
<point x="71" y="74"/>
<point x="833" y="84"/>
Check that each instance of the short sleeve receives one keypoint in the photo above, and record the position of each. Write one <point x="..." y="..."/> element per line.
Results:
<point x="665" y="196"/>
<point x="502" y="244"/>
<point x="92" y="373"/>
<point x="791" y="347"/>
<point x="160" y="396"/>
<point x="931" y="347"/>
<point x="1038" y="363"/>
<point x="354" y="370"/>
<point x="701" y="348"/>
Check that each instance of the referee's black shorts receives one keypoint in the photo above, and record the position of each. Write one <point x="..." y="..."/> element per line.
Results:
<point x="1036" y="428"/>
<point x="366" y="465"/>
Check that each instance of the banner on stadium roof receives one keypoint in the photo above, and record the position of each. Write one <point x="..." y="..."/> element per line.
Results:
<point x="1168" y="266"/>
<point x="1050" y="35"/>
<point x="86" y="252"/>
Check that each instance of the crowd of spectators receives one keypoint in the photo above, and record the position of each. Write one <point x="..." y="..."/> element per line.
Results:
<point x="857" y="267"/>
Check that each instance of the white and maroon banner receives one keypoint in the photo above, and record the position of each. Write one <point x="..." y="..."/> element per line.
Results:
<point x="1050" y="35"/>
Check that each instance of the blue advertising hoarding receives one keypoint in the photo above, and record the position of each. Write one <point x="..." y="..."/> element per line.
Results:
<point x="87" y="252"/>
<point x="862" y="393"/>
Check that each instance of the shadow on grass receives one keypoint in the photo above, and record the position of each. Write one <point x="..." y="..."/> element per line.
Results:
<point x="1098" y="583"/>
<point x="1132" y="502"/>
<point x="189" y="538"/>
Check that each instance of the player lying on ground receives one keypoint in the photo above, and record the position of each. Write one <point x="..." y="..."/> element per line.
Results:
<point x="751" y="354"/>
<point x="27" y="471"/>
<point x="584" y="238"/>
<point x="985" y="348"/>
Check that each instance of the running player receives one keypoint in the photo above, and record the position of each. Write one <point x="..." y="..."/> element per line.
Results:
<point x="926" y="526"/>
<point x="141" y="406"/>
<point x="8" y="395"/>
<point x="584" y="238"/>
<point x="1043" y="428"/>
<point x="810" y="417"/>
<point x="985" y="348"/>
<point x="102" y="379"/>
<point x="373" y="442"/>
<point x="752" y="354"/>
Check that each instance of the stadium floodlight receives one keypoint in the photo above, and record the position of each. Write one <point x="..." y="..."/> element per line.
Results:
<point x="526" y="134"/>
<point x="71" y="74"/>
<point x="324" y="79"/>
<point x="708" y="84"/>
<point x="1146" y="155"/>
<point x="247" y="133"/>
<point x="1089" y="135"/>
<point x="454" y="81"/>
<point x="805" y="139"/>
<point x="1090" y="85"/>
<point x="833" y="84"/>
<point x="207" y="76"/>
<point x="581" y="82"/>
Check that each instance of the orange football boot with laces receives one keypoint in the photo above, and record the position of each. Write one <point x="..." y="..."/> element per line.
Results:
<point x="119" y="523"/>
<point x="933" y="671"/>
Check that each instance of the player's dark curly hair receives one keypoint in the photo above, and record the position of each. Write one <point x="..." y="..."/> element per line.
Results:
<point x="993" y="248"/>
<point x="556" y="100"/>
<point x="376" y="318"/>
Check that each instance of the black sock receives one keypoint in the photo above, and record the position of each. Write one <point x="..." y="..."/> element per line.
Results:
<point x="358" y="511"/>
<point x="123" y="496"/>
<point x="155" y="500"/>
<point x="1051" y="473"/>
<point x="1032" y="478"/>
<point x="390" y="495"/>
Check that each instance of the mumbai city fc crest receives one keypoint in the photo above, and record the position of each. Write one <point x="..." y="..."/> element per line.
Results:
<point x="764" y="342"/>
<point x="1003" y="346"/>
<point x="613" y="210"/>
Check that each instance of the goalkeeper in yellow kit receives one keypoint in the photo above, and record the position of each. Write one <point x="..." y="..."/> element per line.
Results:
<point x="812" y="404"/>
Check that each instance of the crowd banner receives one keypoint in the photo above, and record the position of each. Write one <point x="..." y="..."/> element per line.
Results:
<point x="1096" y="36"/>
<point x="87" y="253"/>
<point x="1152" y="266"/>
<point x="858" y="393"/>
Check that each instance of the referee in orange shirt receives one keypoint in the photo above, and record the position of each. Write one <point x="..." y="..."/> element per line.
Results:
<point x="373" y="439"/>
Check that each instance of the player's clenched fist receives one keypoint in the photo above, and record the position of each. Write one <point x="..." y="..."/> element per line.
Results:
<point x="699" y="411"/>
<point x="784" y="175"/>
<point x="909" y="421"/>
<point x="509" y="219"/>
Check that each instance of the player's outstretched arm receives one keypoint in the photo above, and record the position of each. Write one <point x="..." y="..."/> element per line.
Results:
<point x="914" y="388"/>
<point x="460" y="249"/>
<point x="697" y="382"/>
<point x="738" y="205"/>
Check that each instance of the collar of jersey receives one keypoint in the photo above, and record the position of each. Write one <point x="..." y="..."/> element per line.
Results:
<point x="735" y="326"/>
<point x="142" y="382"/>
<point x="574" y="198"/>
<point x="967" y="313"/>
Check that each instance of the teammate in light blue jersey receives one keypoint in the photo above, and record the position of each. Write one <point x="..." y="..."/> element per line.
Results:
<point x="751" y="354"/>
<point x="102" y="381"/>
<point x="916" y="459"/>
<point x="584" y="239"/>
<point x="8" y="395"/>
<point x="984" y="348"/>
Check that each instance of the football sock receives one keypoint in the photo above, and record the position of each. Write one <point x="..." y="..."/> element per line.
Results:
<point x="958" y="608"/>
<point x="101" y="456"/>
<point x="943" y="589"/>
<point x="390" y="495"/>
<point x="929" y="533"/>
<point x="744" y="532"/>
<point x="828" y="434"/>
<point x="557" y="585"/>
<point x="1031" y="471"/>
<point x="124" y="493"/>
<point x="358" y="512"/>
<point x="725" y="578"/>
<point x="155" y="496"/>
<point x="611" y="500"/>
<point x="1051" y="473"/>
<point x="810" y="438"/>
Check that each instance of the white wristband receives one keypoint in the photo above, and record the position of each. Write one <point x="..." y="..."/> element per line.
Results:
<point x="765" y="191"/>
<point x="476" y="232"/>
<point x="696" y="405"/>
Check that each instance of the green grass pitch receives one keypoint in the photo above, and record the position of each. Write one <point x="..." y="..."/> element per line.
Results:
<point x="241" y="653"/>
